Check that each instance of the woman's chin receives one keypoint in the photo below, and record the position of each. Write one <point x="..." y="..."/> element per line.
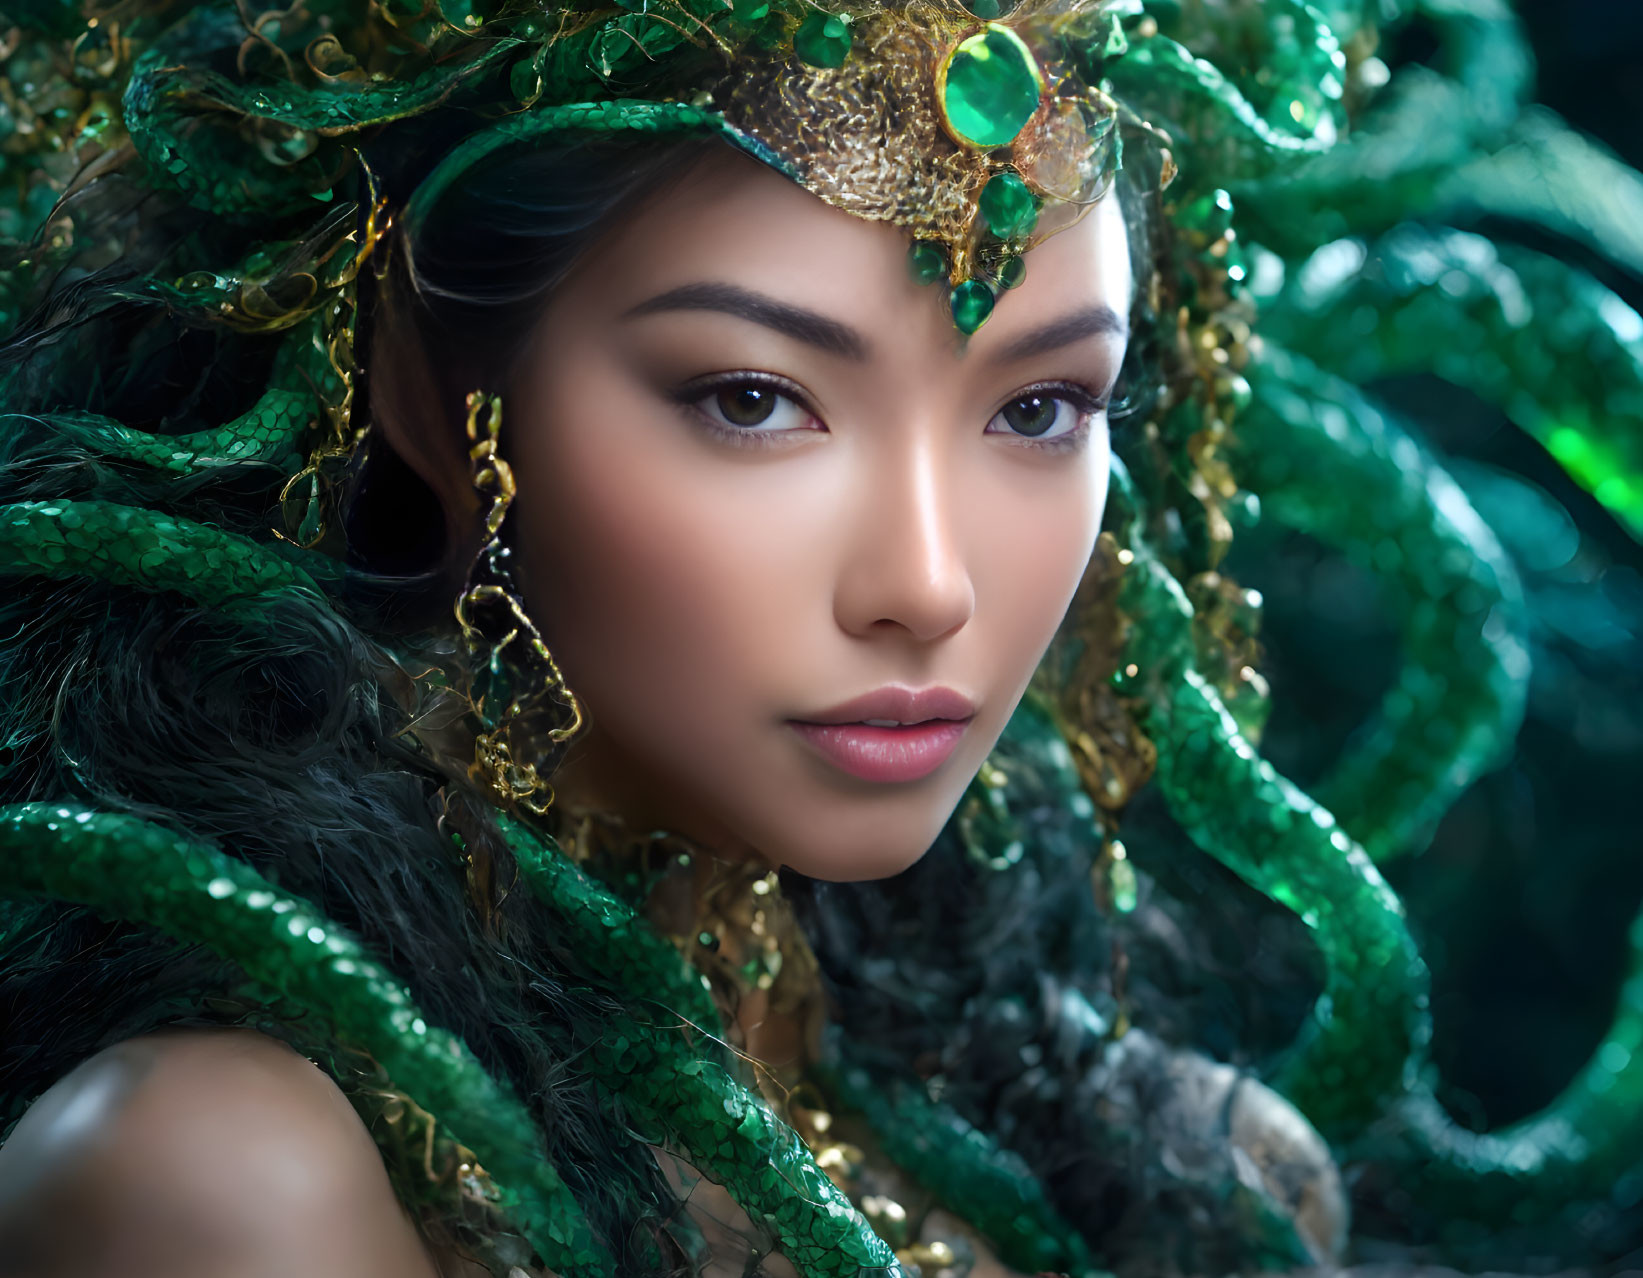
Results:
<point x="855" y="862"/>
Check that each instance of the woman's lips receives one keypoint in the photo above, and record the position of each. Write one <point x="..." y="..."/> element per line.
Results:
<point x="903" y="753"/>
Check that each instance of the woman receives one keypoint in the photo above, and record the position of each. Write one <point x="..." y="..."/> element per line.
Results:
<point x="797" y="527"/>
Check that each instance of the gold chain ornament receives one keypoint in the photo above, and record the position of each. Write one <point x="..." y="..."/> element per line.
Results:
<point x="511" y="665"/>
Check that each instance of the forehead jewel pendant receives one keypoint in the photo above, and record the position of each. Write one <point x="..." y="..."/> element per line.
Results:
<point x="987" y="89"/>
<point x="958" y="128"/>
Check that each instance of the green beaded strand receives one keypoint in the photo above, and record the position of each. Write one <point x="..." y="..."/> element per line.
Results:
<point x="1580" y="1148"/>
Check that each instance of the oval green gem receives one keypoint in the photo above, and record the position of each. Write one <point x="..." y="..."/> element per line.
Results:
<point x="1008" y="206"/>
<point x="927" y="262"/>
<point x="972" y="303"/>
<point x="823" y="40"/>
<point x="1211" y="214"/>
<point x="1011" y="271"/>
<point x="991" y="87"/>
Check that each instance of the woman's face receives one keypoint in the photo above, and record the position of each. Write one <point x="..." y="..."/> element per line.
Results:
<point x="761" y="477"/>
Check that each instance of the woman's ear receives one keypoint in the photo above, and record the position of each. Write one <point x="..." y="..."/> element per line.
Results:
<point x="413" y="407"/>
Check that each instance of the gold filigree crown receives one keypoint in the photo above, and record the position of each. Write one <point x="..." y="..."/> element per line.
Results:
<point x="978" y="135"/>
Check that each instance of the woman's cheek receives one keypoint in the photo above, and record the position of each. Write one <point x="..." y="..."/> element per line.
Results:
<point x="1041" y="541"/>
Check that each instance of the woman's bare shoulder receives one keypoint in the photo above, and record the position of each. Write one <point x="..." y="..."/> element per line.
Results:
<point x="199" y="1152"/>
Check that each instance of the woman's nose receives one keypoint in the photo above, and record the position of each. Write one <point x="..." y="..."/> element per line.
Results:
<point x="905" y="564"/>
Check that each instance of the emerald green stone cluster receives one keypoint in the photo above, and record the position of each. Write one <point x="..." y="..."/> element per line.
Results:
<point x="989" y="87"/>
<point x="1007" y="212"/>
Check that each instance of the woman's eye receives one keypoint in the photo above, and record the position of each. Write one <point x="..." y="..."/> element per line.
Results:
<point x="751" y="406"/>
<point x="1040" y="415"/>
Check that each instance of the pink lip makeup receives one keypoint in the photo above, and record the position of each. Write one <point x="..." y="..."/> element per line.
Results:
<point x="891" y="734"/>
<point x="886" y="754"/>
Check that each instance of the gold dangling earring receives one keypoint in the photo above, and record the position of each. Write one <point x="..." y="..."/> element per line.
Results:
<point x="527" y="713"/>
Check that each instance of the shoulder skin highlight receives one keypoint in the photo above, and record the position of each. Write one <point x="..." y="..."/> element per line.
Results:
<point x="200" y="1152"/>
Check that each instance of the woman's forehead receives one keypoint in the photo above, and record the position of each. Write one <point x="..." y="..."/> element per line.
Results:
<point x="730" y="220"/>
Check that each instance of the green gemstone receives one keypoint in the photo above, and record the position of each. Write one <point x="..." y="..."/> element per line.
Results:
<point x="991" y="87"/>
<point x="927" y="262"/>
<point x="972" y="303"/>
<point x="1011" y="271"/>
<point x="823" y="40"/>
<point x="986" y="9"/>
<point x="1211" y="214"/>
<point x="751" y="10"/>
<point x="1008" y="206"/>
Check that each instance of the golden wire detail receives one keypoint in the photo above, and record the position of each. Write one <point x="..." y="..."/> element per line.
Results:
<point x="512" y="666"/>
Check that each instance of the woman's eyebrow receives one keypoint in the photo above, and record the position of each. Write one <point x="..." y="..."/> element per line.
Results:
<point x="791" y="321"/>
<point x="1093" y="321"/>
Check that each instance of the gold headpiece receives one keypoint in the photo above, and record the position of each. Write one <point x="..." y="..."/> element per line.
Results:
<point x="958" y="130"/>
<point x="979" y="136"/>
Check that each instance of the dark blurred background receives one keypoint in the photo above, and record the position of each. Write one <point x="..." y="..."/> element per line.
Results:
<point x="1523" y="902"/>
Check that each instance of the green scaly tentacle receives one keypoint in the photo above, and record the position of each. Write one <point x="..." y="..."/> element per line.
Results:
<point x="1211" y="117"/>
<point x="1545" y="174"/>
<point x="679" y="1098"/>
<point x="1372" y="1019"/>
<point x="271" y="432"/>
<point x="1413" y="135"/>
<point x="173" y="109"/>
<point x="1579" y="1149"/>
<point x="1456" y="147"/>
<point x="148" y="551"/>
<point x="133" y="870"/>
<point x="1560" y="354"/>
<point x="1483" y="48"/>
<point x="1324" y="461"/>
<point x="1540" y="172"/>
<point x="171" y="113"/>
<point x="967" y="1170"/>
<point x="1592" y="1134"/>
